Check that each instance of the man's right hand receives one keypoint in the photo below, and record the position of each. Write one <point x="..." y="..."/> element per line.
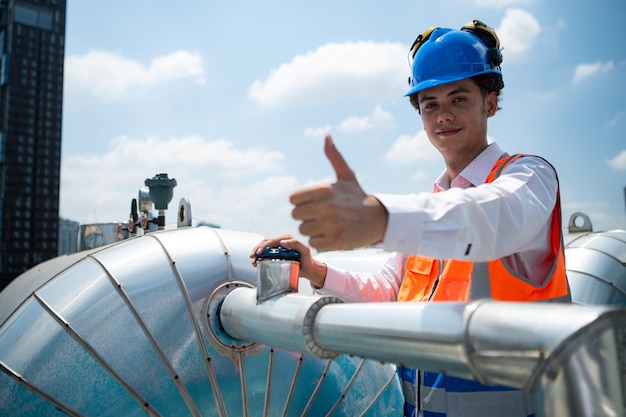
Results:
<point x="339" y="215"/>
<point x="310" y="269"/>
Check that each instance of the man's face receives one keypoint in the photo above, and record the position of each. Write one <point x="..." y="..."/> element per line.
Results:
<point x="455" y="117"/>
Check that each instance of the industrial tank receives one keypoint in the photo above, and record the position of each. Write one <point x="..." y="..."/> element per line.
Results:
<point x="166" y="324"/>
<point x="132" y="329"/>
<point x="596" y="267"/>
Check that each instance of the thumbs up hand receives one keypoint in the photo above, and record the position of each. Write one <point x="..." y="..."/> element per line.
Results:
<point x="339" y="215"/>
<point x="340" y="166"/>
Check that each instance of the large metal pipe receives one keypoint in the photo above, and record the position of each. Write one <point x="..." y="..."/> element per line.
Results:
<point x="131" y="329"/>
<point x="570" y="356"/>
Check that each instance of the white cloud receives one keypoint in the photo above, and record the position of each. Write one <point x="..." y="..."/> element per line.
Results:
<point x="356" y="123"/>
<point x="518" y="32"/>
<point x="260" y="206"/>
<point x="584" y="71"/>
<point x="110" y="76"/>
<point x="367" y="70"/>
<point x="503" y="3"/>
<point x="419" y="176"/>
<point x="379" y="117"/>
<point x="196" y="151"/>
<point x="99" y="188"/>
<point x="618" y="163"/>
<point x="411" y="148"/>
<point x="317" y="132"/>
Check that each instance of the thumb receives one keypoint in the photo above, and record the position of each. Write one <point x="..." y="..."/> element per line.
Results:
<point x="343" y="171"/>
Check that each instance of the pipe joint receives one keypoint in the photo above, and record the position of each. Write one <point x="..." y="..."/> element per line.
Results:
<point x="308" y="328"/>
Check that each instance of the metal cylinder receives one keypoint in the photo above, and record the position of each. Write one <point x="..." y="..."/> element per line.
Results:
<point x="279" y="322"/>
<point x="557" y="351"/>
<point x="596" y="268"/>
<point x="276" y="277"/>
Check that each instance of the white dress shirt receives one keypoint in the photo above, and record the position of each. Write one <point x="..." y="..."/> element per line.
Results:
<point x="471" y="221"/>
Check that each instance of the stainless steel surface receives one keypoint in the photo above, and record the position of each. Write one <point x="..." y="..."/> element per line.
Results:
<point x="276" y="277"/>
<point x="282" y="320"/>
<point x="596" y="268"/>
<point x="132" y="329"/>
<point x="168" y="324"/>
<point x="554" y="350"/>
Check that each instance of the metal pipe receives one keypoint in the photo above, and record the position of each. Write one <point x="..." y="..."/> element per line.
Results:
<point x="279" y="318"/>
<point x="556" y="351"/>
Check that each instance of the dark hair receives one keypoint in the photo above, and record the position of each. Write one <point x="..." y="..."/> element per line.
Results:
<point x="486" y="82"/>
<point x="489" y="82"/>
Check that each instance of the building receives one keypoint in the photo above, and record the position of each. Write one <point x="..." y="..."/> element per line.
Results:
<point x="68" y="236"/>
<point x="32" y="49"/>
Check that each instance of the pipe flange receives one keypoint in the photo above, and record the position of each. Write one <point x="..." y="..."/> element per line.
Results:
<point x="308" y="324"/>
<point x="222" y="341"/>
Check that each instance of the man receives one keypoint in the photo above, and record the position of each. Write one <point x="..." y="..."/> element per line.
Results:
<point x="491" y="229"/>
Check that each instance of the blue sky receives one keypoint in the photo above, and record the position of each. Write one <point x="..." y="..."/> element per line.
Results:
<point x="232" y="99"/>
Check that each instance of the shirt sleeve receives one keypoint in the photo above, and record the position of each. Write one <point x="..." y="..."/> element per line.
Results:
<point x="507" y="216"/>
<point x="358" y="287"/>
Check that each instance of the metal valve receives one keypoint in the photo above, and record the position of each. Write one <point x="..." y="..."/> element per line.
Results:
<point x="278" y="271"/>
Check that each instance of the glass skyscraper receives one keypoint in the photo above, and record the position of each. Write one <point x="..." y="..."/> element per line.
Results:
<point x="32" y="46"/>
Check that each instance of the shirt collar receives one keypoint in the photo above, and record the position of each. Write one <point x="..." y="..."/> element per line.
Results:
<point x="477" y="171"/>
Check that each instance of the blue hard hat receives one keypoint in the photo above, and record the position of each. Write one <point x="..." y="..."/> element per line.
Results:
<point x="443" y="55"/>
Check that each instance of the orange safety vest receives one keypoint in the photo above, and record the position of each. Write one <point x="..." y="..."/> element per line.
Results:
<point x="427" y="279"/>
<point x="452" y="280"/>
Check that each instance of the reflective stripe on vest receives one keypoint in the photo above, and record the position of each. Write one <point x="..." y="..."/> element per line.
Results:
<point x="446" y="396"/>
<point x="427" y="279"/>
<point x="408" y="376"/>
<point x="477" y="403"/>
